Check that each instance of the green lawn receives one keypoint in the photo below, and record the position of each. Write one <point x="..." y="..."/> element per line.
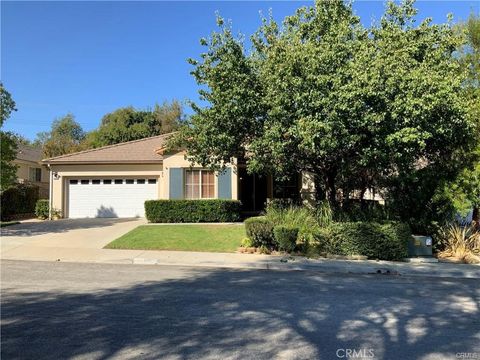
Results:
<point x="214" y="238"/>
<point x="8" y="223"/>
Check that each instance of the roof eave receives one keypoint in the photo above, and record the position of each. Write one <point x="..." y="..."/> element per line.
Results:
<point x="110" y="162"/>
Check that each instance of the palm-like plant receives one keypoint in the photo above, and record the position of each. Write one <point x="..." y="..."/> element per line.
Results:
<point x="461" y="242"/>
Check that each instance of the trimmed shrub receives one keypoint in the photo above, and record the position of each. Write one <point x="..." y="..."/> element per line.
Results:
<point x="286" y="237"/>
<point x="41" y="209"/>
<point x="387" y="241"/>
<point x="18" y="199"/>
<point x="194" y="211"/>
<point x="260" y="231"/>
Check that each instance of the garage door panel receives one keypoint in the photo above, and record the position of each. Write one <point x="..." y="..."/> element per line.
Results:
<point x="109" y="200"/>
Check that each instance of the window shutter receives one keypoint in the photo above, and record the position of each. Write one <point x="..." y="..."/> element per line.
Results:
<point x="225" y="184"/>
<point x="176" y="183"/>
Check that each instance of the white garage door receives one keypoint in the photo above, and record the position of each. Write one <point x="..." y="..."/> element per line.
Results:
<point x="111" y="197"/>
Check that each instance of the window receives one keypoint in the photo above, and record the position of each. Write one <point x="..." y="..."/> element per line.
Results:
<point x="118" y="181"/>
<point x="129" y="181"/>
<point x="96" y="182"/>
<point x="84" y="182"/>
<point x="152" y="181"/>
<point x="287" y="189"/>
<point x="35" y="174"/>
<point x="73" y="182"/>
<point x="140" y="181"/>
<point x="199" y="184"/>
<point x="107" y="181"/>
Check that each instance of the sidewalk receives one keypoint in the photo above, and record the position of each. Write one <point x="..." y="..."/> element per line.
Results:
<point x="242" y="261"/>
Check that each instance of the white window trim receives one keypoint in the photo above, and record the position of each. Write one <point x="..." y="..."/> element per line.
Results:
<point x="200" y="185"/>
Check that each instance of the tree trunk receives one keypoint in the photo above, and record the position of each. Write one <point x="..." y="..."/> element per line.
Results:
<point x="363" y="203"/>
<point x="319" y="188"/>
<point x="476" y="217"/>
<point x="331" y="190"/>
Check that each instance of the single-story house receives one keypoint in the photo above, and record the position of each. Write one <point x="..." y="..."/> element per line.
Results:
<point x="29" y="168"/>
<point x="115" y="181"/>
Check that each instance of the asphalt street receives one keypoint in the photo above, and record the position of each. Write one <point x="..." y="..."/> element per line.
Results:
<point x="54" y="310"/>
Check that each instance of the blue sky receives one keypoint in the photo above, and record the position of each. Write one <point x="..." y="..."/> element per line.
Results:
<point x="89" y="58"/>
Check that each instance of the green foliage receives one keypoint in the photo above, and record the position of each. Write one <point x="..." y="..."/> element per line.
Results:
<point x="386" y="241"/>
<point x="464" y="191"/>
<point x="308" y="221"/>
<point x="65" y="136"/>
<point x="260" y="231"/>
<point x="7" y="142"/>
<point x="8" y="154"/>
<point x="42" y="209"/>
<point x="461" y="242"/>
<point x="353" y="211"/>
<point x="286" y="237"/>
<point x="18" y="199"/>
<point x="229" y="82"/>
<point x="192" y="211"/>
<point x="7" y="105"/>
<point x="127" y="124"/>
<point x="359" y="107"/>
<point x="247" y="242"/>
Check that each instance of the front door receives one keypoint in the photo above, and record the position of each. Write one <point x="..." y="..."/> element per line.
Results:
<point x="252" y="191"/>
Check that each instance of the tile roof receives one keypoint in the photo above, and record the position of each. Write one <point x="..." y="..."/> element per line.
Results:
<point x="28" y="153"/>
<point x="136" y="151"/>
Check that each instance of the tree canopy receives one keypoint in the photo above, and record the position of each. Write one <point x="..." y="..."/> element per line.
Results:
<point x="7" y="141"/>
<point x="128" y="123"/>
<point x="356" y="106"/>
<point x="66" y="136"/>
<point x="465" y="189"/>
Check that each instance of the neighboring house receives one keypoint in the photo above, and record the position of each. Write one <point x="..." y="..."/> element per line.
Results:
<point x="115" y="181"/>
<point x="30" y="169"/>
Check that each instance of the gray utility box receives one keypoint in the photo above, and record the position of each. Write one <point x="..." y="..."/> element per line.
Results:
<point x="420" y="246"/>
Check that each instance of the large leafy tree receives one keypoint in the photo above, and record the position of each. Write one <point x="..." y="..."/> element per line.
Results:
<point x="66" y="136"/>
<point x="355" y="106"/>
<point x="7" y="141"/>
<point x="465" y="190"/>
<point x="126" y="124"/>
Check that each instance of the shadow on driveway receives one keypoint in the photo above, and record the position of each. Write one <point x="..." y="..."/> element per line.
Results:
<point x="59" y="226"/>
<point x="244" y="315"/>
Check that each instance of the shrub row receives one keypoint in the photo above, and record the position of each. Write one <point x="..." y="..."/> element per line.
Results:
<point x="263" y="233"/>
<point x="387" y="241"/>
<point x="171" y="211"/>
<point x="18" y="199"/>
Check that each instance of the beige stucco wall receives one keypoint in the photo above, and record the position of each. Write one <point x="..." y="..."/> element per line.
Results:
<point x="159" y="171"/>
<point x="23" y="170"/>
<point x="179" y="161"/>
<point x="307" y="190"/>
<point x="66" y="172"/>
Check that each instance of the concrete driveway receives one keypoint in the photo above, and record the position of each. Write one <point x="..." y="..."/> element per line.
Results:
<point x="51" y="240"/>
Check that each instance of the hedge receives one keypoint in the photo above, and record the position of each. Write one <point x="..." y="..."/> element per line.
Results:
<point x="192" y="211"/>
<point x="42" y="209"/>
<point x="18" y="199"/>
<point x="260" y="231"/>
<point x="387" y="241"/>
<point x="286" y="237"/>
